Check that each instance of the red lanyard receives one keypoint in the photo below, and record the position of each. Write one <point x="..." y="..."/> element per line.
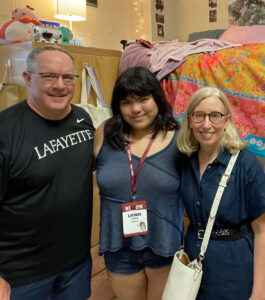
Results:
<point x="129" y="154"/>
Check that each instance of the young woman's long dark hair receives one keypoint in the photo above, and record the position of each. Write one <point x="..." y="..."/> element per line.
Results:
<point x="141" y="82"/>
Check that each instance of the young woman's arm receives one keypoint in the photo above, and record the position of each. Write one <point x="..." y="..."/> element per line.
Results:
<point x="98" y="138"/>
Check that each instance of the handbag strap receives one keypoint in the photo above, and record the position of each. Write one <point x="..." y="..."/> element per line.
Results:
<point x="7" y="66"/>
<point x="222" y="185"/>
<point x="89" y="78"/>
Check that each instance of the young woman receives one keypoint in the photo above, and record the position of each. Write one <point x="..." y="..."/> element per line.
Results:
<point x="141" y="213"/>
<point x="234" y="264"/>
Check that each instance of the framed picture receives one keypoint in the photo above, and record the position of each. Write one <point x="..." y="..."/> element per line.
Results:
<point x="92" y="3"/>
<point x="160" y="30"/>
<point x="160" y="18"/>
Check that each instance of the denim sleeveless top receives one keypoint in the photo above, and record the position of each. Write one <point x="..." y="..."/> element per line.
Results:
<point x="157" y="184"/>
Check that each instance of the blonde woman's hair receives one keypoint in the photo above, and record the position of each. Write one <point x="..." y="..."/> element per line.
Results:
<point x="186" y="140"/>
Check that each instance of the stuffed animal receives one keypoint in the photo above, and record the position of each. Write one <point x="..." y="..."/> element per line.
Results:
<point x="68" y="38"/>
<point x="19" y="28"/>
<point x="77" y="41"/>
<point x="67" y="34"/>
<point x="25" y="11"/>
<point x="47" y="35"/>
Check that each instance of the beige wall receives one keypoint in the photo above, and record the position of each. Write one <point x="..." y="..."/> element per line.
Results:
<point x="114" y="20"/>
<point x="104" y="27"/>
<point x="193" y="16"/>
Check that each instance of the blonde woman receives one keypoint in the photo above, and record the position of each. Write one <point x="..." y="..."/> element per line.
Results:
<point x="234" y="266"/>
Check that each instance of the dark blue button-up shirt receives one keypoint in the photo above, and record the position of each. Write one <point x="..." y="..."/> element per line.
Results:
<point x="243" y="199"/>
<point x="227" y="263"/>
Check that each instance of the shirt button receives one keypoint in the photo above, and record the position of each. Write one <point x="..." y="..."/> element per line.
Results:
<point x="209" y="167"/>
<point x="199" y="224"/>
<point x="198" y="202"/>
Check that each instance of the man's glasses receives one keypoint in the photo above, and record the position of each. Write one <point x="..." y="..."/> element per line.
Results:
<point x="49" y="77"/>
<point x="214" y="117"/>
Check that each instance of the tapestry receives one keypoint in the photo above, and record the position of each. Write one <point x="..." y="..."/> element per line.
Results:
<point x="240" y="73"/>
<point x="246" y="12"/>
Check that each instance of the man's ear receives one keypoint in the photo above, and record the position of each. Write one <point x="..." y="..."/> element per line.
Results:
<point x="27" y="78"/>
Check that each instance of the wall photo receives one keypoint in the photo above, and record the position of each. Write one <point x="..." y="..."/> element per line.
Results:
<point x="92" y="3"/>
<point x="160" y="18"/>
<point x="160" y="5"/>
<point x="160" y="30"/>
<point x="212" y="3"/>
<point x="213" y="15"/>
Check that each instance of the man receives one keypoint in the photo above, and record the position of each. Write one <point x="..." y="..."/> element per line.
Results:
<point x="46" y="186"/>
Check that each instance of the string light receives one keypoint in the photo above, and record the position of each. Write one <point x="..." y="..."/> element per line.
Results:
<point x="138" y="18"/>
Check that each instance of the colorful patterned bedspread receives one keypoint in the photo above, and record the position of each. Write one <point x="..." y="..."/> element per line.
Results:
<point x="240" y="73"/>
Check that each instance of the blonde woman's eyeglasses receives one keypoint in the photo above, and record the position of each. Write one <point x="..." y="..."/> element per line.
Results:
<point x="215" y="116"/>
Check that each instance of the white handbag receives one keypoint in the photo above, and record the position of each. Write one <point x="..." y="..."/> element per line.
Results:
<point x="100" y="112"/>
<point x="184" y="278"/>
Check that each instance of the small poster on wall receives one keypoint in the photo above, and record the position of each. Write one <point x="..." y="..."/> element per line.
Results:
<point x="92" y="3"/>
<point x="213" y="15"/>
<point x="159" y="5"/>
<point x="160" y="18"/>
<point x="160" y="30"/>
<point x="212" y="3"/>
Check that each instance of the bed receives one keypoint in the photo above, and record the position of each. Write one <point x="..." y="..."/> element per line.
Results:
<point x="233" y="63"/>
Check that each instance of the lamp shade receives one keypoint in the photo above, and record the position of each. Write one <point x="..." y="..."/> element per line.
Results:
<point x="71" y="10"/>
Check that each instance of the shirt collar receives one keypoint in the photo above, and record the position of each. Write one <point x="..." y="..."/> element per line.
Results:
<point x="223" y="156"/>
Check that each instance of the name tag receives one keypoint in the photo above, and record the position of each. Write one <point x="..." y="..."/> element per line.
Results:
<point x="134" y="217"/>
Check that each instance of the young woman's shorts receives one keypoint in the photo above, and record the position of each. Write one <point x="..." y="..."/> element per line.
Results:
<point x="128" y="261"/>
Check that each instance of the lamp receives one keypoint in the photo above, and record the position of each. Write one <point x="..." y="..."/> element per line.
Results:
<point x="71" y="10"/>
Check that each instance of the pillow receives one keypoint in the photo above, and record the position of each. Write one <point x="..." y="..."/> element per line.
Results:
<point x="208" y="34"/>
<point x="244" y="34"/>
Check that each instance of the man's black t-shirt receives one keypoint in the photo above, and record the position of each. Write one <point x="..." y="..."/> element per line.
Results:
<point x="45" y="193"/>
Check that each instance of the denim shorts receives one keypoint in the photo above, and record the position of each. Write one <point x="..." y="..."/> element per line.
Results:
<point x="74" y="284"/>
<point x="128" y="261"/>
